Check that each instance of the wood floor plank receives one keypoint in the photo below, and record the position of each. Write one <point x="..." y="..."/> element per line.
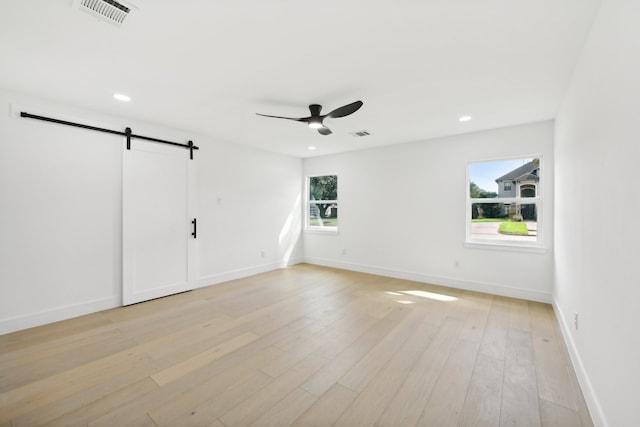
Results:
<point x="519" y="390"/>
<point x="367" y="367"/>
<point x="293" y="356"/>
<point x="328" y="408"/>
<point x="23" y="399"/>
<point x="408" y="404"/>
<point x="336" y="339"/>
<point x="475" y="324"/>
<point x="437" y="312"/>
<point x="328" y="376"/>
<point x="499" y="313"/>
<point x="494" y="342"/>
<point x="142" y="420"/>
<point x="541" y="317"/>
<point x="193" y="363"/>
<point x="27" y="368"/>
<point x="206" y="402"/>
<point x="378" y="392"/>
<point x="519" y="314"/>
<point x="554" y="384"/>
<point x="552" y="415"/>
<point x="303" y="346"/>
<point x="447" y="397"/>
<point x="182" y="325"/>
<point x="84" y="397"/>
<point x="257" y="404"/>
<point x="286" y="411"/>
<point x="50" y="334"/>
<point x="87" y="413"/>
<point x="210" y="397"/>
<point x="165" y="345"/>
<point x="484" y="394"/>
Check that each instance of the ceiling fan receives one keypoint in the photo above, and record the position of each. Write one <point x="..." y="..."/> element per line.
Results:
<point x="315" y="121"/>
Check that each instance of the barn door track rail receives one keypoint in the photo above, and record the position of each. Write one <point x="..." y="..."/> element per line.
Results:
<point x="127" y="133"/>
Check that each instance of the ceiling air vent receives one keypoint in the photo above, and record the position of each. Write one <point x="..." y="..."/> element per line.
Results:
<point x="360" y="133"/>
<point x="106" y="10"/>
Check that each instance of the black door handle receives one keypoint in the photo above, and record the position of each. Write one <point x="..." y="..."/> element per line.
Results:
<point x="195" y="231"/>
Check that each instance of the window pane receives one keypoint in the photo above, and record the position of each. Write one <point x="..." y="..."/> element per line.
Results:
<point x="504" y="222"/>
<point x="323" y="187"/>
<point x="323" y="214"/>
<point x="323" y="201"/>
<point x="502" y="178"/>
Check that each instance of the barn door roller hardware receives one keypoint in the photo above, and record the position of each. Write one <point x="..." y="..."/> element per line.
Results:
<point x="127" y="133"/>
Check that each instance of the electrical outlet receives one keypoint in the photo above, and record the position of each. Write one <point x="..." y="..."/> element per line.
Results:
<point x="575" y="320"/>
<point x="456" y="264"/>
<point x="344" y="252"/>
<point x="262" y="254"/>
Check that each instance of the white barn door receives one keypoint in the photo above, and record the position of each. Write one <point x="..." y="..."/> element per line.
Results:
<point x="159" y="231"/>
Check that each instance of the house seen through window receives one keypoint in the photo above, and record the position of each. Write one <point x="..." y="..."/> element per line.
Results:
<point x="503" y="204"/>
<point x="322" y="202"/>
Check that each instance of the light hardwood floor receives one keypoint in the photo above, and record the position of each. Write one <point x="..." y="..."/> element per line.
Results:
<point x="302" y="346"/>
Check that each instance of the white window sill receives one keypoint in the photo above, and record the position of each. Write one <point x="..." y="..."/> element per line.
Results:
<point x="509" y="247"/>
<point x="322" y="230"/>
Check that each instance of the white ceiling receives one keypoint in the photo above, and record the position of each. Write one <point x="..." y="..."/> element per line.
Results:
<point x="208" y="66"/>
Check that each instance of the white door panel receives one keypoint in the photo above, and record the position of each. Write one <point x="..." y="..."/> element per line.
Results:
<point x="158" y="209"/>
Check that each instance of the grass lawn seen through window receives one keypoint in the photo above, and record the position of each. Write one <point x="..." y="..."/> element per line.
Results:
<point x="511" y="227"/>
<point x="507" y="226"/>
<point x="326" y="222"/>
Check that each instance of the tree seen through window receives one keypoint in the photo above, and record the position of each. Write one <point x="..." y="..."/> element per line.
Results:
<point x="323" y="201"/>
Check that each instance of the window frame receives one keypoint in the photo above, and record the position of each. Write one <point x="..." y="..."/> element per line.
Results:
<point x="307" y="212"/>
<point x="538" y="201"/>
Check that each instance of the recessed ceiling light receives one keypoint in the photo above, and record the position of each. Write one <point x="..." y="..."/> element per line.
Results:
<point x="311" y="147"/>
<point x="464" y="118"/>
<point x="122" y="97"/>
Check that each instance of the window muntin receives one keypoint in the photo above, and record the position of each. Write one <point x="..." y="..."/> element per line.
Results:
<point x="322" y="202"/>
<point x="502" y="214"/>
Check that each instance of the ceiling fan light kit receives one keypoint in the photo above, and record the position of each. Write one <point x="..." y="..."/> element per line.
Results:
<point x="316" y="120"/>
<point x="315" y="123"/>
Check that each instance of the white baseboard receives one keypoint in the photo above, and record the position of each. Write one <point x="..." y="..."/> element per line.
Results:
<point x="488" y="288"/>
<point x="595" y="409"/>
<point x="31" y="320"/>
<point x="244" y="272"/>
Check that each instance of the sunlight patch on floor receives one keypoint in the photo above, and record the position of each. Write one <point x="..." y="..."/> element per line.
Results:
<point x="422" y="294"/>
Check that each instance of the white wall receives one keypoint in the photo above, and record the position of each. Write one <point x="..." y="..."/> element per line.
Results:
<point x="597" y="147"/>
<point x="61" y="209"/>
<point x="402" y="213"/>
<point x="249" y="205"/>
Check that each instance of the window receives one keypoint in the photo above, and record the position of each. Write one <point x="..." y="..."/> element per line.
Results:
<point x="504" y="203"/>
<point x="528" y="190"/>
<point x="322" y="213"/>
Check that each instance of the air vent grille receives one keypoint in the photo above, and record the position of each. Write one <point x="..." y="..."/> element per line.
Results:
<point x="108" y="10"/>
<point x="360" y="133"/>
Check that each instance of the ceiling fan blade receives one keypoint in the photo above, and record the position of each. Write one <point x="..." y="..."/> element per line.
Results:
<point x="304" y="119"/>
<point x="345" y="110"/>
<point x="325" y="130"/>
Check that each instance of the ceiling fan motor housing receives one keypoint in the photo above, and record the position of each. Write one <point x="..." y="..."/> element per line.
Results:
<point x="315" y="109"/>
